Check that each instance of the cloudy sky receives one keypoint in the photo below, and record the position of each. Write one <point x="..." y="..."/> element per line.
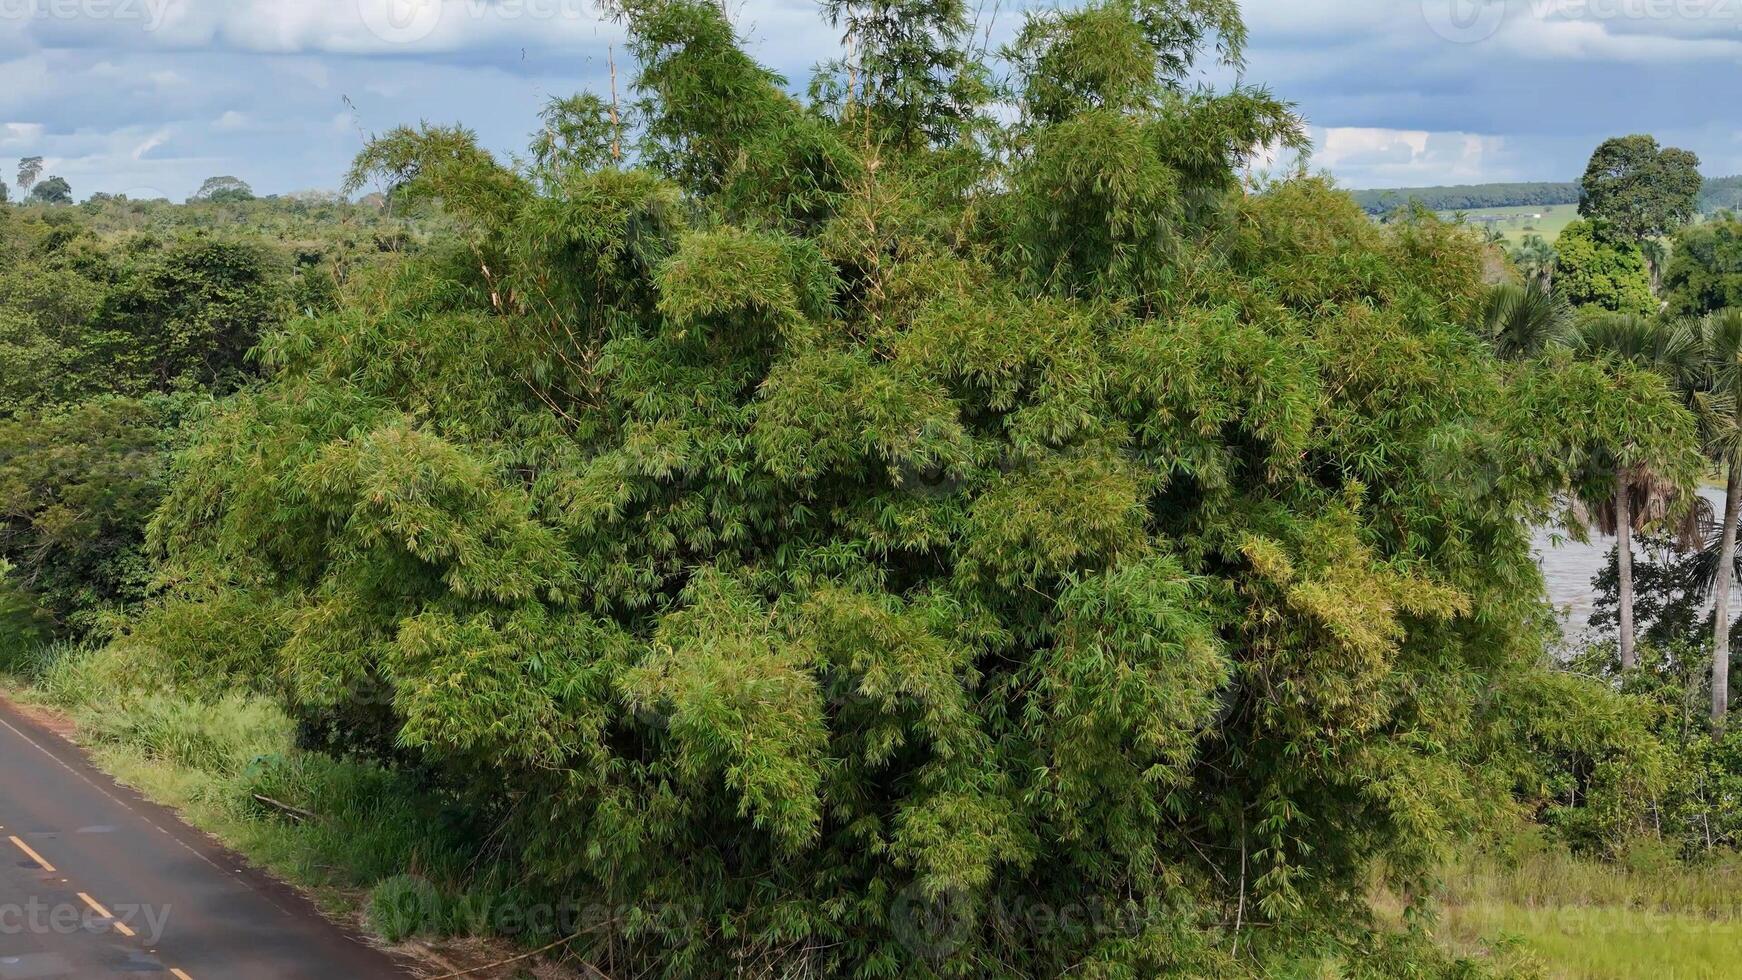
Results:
<point x="147" y="97"/>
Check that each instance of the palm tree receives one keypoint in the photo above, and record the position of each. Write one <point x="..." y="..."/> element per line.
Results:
<point x="1535" y="258"/>
<point x="1640" y="496"/>
<point x="1655" y="256"/>
<point x="1721" y="410"/>
<point x="1524" y="321"/>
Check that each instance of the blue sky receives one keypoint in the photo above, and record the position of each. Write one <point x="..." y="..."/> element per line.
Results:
<point x="148" y="97"/>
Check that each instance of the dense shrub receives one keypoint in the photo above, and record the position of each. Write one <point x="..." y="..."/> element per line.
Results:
<point x="868" y="539"/>
<point x="1592" y="270"/>
<point x="1705" y="268"/>
<point x="77" y="487"/>
<point x="117" y="321"/>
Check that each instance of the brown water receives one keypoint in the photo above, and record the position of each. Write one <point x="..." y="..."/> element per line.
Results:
<point x="1568" y="568"/>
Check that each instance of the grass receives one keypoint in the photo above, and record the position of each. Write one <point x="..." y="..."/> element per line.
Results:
<point x="1579" y="919"/>
<point x="1517" y="222"/>
<point x="1603" y="943"/>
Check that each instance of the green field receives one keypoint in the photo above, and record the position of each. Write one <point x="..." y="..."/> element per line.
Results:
<point x="1517" y="222"/>
<point x="1576" y="919"/>
<point x="1602" y="943"/>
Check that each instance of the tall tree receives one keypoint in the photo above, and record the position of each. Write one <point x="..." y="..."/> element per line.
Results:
<point x="1639" y="189"/>
<point x="1722" y="413"/>
<point x="1637" y="494"/>
<point x="911" y="66"/>
<point x="29" y="169"/>
<point x="54" y="190"/>
<point x="223" y="189"/>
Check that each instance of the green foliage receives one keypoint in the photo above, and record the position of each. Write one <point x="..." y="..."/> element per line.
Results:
<point x="23" y="624"/>
<point x="1705" y="268"/>
<point x="1525" y="321"/>
<point x="1105" y="56"/>
<point x="76" y="489"/>
<point x="53" y="191"/>
<point x="912" y="69"/>
<point x="188" y="314"/>
<point x="29" y="168"/>
<point x="1721" y="194"/>
<point x="85" y="316"/>
<point x="872" y="561"/>
<point x="1638" y="190"/>
<point x="1594" y="270"/>
<point x="1670" y="349"/>
<point x="1118" y="165"/>
<point x="403" y="906"/>
<point x="110" y="342"/>
<point x="223" y="190"/>
<point x="1587" y="763"/>
<point x="823" y="523"/>
<point x="1535" y="260"/>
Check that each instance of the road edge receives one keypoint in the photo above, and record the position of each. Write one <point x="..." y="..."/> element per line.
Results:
<point x="51" y="732"/>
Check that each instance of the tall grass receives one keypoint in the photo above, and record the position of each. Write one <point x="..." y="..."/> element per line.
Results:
<point x="1645" y="883"/>
<point x="1580" y="919"/>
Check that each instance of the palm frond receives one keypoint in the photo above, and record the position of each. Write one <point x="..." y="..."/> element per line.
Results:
<point x="1523" y="321"/>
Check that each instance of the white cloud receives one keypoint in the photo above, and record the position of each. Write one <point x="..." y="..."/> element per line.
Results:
<point x="23" y="82"/>
<point x="1372" y="156"/>
<point x="349" y="27"/>
<point x="259" y="88"/>
<point x="1341" y="144"/>
<point x="1606" y="39"/>
<point x="21" y="133"/>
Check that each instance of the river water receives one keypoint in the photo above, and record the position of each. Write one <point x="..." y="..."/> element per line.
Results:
<point x="1568" y="568"/>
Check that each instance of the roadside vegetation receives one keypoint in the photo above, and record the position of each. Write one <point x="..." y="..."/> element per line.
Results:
<point x="955" y="524"/>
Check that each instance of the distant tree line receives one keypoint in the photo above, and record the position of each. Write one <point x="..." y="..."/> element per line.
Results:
<point x="1718" y="194"/>
<point x="1721" y="194"/>
<point x="1466" y="197"/>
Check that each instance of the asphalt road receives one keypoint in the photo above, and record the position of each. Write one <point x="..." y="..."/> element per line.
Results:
<point x="96" y="883"/>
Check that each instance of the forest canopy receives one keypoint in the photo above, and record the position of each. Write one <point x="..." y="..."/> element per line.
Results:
<point x="823" y="529"/>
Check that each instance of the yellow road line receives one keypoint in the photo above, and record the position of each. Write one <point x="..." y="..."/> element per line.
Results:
<point x="178" y="975"/>
<point x="120" y="927"/>
<point x="33" y="855"/>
